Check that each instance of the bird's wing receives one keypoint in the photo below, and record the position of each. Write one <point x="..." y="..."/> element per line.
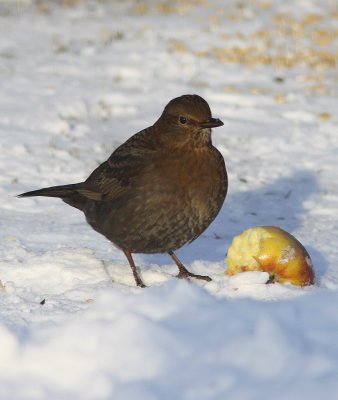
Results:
<point x="114" y="177"/>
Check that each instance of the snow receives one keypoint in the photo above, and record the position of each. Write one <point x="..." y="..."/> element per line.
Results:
<point x="77" y="79"/>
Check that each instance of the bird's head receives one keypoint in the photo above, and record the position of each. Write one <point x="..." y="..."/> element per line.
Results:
<point x="186" y="120"/>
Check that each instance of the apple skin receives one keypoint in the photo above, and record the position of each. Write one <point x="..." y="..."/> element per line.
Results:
<point x="273" y="250"/>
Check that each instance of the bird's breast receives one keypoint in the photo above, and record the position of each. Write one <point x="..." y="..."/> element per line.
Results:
<point x="197" y="178"/>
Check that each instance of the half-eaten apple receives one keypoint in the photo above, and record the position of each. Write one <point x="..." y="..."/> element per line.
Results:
<point x="273" y="250"/>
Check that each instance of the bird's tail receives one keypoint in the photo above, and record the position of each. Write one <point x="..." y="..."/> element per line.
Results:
<point x="62" y="191"/>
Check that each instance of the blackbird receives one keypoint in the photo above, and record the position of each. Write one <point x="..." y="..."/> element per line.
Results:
<point x="160" y="189"/>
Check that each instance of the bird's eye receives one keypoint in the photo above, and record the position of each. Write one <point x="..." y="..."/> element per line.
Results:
<point x="183" y="120"/>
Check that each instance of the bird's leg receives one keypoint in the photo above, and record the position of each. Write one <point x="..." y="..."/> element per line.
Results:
<point x="138" y="280"/>
<point x="183" y="272"/>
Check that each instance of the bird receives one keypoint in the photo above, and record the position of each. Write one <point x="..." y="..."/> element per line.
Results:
<point x="157" y="191"/>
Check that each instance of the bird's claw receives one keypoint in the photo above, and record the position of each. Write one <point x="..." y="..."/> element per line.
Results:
<point x="188" y="275"/>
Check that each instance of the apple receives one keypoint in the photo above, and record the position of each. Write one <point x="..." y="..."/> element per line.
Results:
<point x="273" y="250"/>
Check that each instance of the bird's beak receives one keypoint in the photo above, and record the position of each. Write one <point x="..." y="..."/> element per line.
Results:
<point x="211" y="123"/>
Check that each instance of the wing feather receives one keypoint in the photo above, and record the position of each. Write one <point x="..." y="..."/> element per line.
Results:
<point x="114" y="177"/>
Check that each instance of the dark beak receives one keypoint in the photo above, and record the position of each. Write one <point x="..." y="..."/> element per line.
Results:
<point x="211" y="123"/>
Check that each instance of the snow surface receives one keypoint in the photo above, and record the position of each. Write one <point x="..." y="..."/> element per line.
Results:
<point x="77" y="79"/>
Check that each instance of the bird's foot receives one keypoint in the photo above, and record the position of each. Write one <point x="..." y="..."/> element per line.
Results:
<point x="139" y="283"/>
<point x="185" y="274"/>
<point x="137" y="277"/>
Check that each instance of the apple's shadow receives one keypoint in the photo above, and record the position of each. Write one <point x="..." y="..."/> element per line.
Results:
<point x="279" y="203"/>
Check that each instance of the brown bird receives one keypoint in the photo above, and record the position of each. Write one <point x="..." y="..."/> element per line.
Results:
<point x="160" y="189"/>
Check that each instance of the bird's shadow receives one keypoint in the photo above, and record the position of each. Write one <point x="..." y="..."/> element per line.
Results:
<point x="279" y="203"/>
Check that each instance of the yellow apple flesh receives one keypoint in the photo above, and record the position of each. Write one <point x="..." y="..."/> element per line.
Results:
<point x="273" y="250"/>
